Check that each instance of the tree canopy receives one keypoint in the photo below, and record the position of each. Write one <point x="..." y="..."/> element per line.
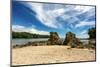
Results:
<point x="27" y="35"/>
<point x="92" y="33"/>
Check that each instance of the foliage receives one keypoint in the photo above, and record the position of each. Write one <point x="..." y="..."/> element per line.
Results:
<point x="27" y="35"/>
<point x="92" y="37"/>
<point x="92" y="33"/>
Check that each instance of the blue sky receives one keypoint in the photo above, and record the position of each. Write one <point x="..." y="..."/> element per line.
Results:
<point x="43" y="18"/>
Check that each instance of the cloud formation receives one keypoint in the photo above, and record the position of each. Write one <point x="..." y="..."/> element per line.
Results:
<point x="18" y="28"/>
<point x="52" y="15"/>
<point x="45" y="17"/>
<point x="83" y="34"/>
<point x="85" y="24"/>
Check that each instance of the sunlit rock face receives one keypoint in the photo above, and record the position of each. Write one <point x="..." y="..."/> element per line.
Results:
<point x="71" y="40"/>
<point x="54" y="39"/>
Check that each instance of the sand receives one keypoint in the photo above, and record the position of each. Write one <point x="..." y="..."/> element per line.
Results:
<point x="50" y="54"/>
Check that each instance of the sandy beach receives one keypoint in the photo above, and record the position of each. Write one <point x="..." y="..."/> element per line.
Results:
<point x="50" y="54"/>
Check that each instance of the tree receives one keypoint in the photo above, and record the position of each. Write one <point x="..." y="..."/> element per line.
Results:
<point x="92" y="33"/>
<point x="27" y="35"/>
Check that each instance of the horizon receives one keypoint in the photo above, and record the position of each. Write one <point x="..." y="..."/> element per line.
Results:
<point x="42" y="18"/>
<point x="57" y="33"/>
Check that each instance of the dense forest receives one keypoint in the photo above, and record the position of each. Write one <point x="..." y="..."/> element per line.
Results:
<point x="27" y="35"/>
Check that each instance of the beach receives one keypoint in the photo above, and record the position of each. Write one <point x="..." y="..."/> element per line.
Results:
<point x="50" y="54"/>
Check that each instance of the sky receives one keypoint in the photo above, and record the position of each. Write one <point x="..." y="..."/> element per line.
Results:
<point x="42" y="18"/>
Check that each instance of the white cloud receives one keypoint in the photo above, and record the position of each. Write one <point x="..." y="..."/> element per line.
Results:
<point x="90" y="13"/>
<point x="59" y="11"/>
<point x="65" y="17"/>
<point x="83" y="9"/>
<point x="85" y="24"/>
<point x="18" y="28"/>
<point x="48" y="15"/>
<point x="44" y="16"/>
<point x="83" y="34"/>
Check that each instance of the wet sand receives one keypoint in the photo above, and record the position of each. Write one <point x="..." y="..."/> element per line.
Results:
<point x="50" y="54"/>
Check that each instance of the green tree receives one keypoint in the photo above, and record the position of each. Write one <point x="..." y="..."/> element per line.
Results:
<point x="27" y="35"/>
<point x="92" y="33"/>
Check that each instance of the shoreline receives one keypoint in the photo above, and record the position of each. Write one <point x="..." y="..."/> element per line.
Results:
<point x="45" y="43"/>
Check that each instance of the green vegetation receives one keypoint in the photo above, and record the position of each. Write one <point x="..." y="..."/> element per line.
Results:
<point x="54" y="39"/>
<point x="92" y="33"/>
<point x="27" y="35"/>
<point x="92" y="37"/>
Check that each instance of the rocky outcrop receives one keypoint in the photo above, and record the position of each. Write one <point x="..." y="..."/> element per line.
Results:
<point x="71" y="40"/>
<point x="54" y="39"/>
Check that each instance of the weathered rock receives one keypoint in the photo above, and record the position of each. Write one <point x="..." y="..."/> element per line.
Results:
<point x="71" y="40"/>
<point x="54" y="39"/>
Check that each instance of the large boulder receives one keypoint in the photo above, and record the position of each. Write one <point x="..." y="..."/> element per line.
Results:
<point x="71" y="40"/>
<point x="54" y="39"/>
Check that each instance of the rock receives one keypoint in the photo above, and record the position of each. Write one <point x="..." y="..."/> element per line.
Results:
<point x="71" y="40"/>
<point x="54" y="39"/>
